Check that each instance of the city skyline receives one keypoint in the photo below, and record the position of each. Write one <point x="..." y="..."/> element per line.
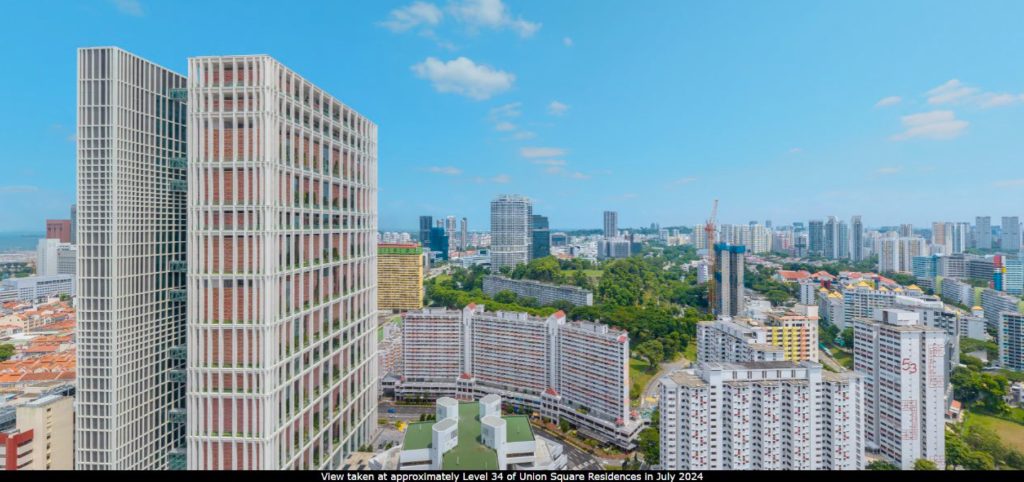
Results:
<point x="547" y="98"/>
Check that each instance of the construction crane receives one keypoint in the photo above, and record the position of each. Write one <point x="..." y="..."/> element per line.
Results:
<point x="709" y="231"/>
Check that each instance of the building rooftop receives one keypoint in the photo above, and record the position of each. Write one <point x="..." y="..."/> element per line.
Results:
<point x="470" y="453"/>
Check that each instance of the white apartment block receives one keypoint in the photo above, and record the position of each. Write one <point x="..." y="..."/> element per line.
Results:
<point x="544" y="293"/>
<point x="32" y="288"/>
<point x="809" y="292"/>
<point x="897" y="254"/>
<point x="511" y="234"/>
<point x="728" y="341"/>
<point x="282" y="263"/>
<point x="995" y="302"/>
<point x="933" y="313"/>
<point x="957" y="291"/>
<point x="903" y="363"/>
<point x="861" y="300"/>
<point x="130" y="229"/>
<point x="578" y="371"/>
<point x="1010" y="337"/>
<point x="761" y="416"/>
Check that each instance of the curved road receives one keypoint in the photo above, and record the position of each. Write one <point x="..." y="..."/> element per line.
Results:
<point x="651" y="390"/>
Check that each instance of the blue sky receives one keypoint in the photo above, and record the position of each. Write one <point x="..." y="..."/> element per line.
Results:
<point x="899" y="111"/>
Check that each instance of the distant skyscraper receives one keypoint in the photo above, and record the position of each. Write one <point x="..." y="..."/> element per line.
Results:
<point x="611" y="224"/>
<point x="842" y="240"/>
<point x="540" y="237"/>
<point x="439" y="242"/>
<point x="729" y="270"/>
<point x="464" y="235"/>
<point x="59" y="229"/>
<point x="939" y="233"/>
<point x="816" y="237"/>
<point x="510" y="231"/>
<point x="131" y="318"/>
<point x="1011" y="234"/>
<point x="426" y="223"/>
<point x="983" y="232"/>
<point x="451" y="229"/>
<point x="856" y="239"/>
<point x="956" y="237"/>
<point x="906" y="230"/>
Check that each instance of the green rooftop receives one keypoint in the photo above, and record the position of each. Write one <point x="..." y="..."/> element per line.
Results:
<point x="470" y="453"/>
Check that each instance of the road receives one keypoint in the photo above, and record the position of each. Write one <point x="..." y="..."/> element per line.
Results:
<point x="651" y="390"/>
<point x="576" y="459"/>
<point x="826" y="359"/>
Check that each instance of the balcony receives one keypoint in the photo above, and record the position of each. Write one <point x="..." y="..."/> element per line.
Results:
<point x="177" y="266"/>
<point x="178" y="295"/>
<point x="180" y="94"/>
<point x="177" y="163"/>
<point x="179" y="352"/>
<point x="176" y="415"/>
<point x="178" y="185"/>
<point x="177" y="376"/>
<point x="176" y="459"/>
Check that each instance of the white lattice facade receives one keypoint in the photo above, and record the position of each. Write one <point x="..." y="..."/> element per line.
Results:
<point x="131" y="231"/>
<point x="282" y="270"/>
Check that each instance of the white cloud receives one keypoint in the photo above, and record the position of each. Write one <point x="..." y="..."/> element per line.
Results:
<point x="1009" y="183"/>
<point x="506" y="111"/>
<point x="554" y="169"/>
<point x="129" y="7"/>
<point x="446" y="170"/>
<point x="490" y="14"/>
<point x="524" y="135"/>
<point x="888" y="101"/>
<point x="557" y="108"/>
<point x="989" y="100"/>
<point x="951" y="91"/>
<point x="683" y="181"/>
<point x="505" y="126"/>
<point x="579" y="175"/>
<point x="499" y="179"/>
<point x="939" y="124"/>
<point x="413" y="15"/>
<point x="567" y="41"/>
<point x="549" y="162"/>
<point x="463" y="76"/>
<point x="795" y="150"/>
<point x="17" y="189"/>
<point x="888" y="170"/>
<point x="532" y="152"/>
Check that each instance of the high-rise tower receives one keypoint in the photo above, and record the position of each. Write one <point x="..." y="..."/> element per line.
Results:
<point x="282" y="269"/>
<point x="130" y="224"/>
<point x="511" y="233"/>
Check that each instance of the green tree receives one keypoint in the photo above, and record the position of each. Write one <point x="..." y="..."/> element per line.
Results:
<point x="847" y="337"/>
<point x="648" y="443"/>
<point x="652" y="351"/>
<point x="6" y="352"/>
<point x="925" y="464"/>
<point x="505" y="296"/>
<point x="881" y="465"/>
<point x="563" y="425"/>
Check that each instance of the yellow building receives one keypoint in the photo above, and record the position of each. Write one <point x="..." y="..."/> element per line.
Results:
<point x="795" y="333"/>
<point x="399" y="277"/>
